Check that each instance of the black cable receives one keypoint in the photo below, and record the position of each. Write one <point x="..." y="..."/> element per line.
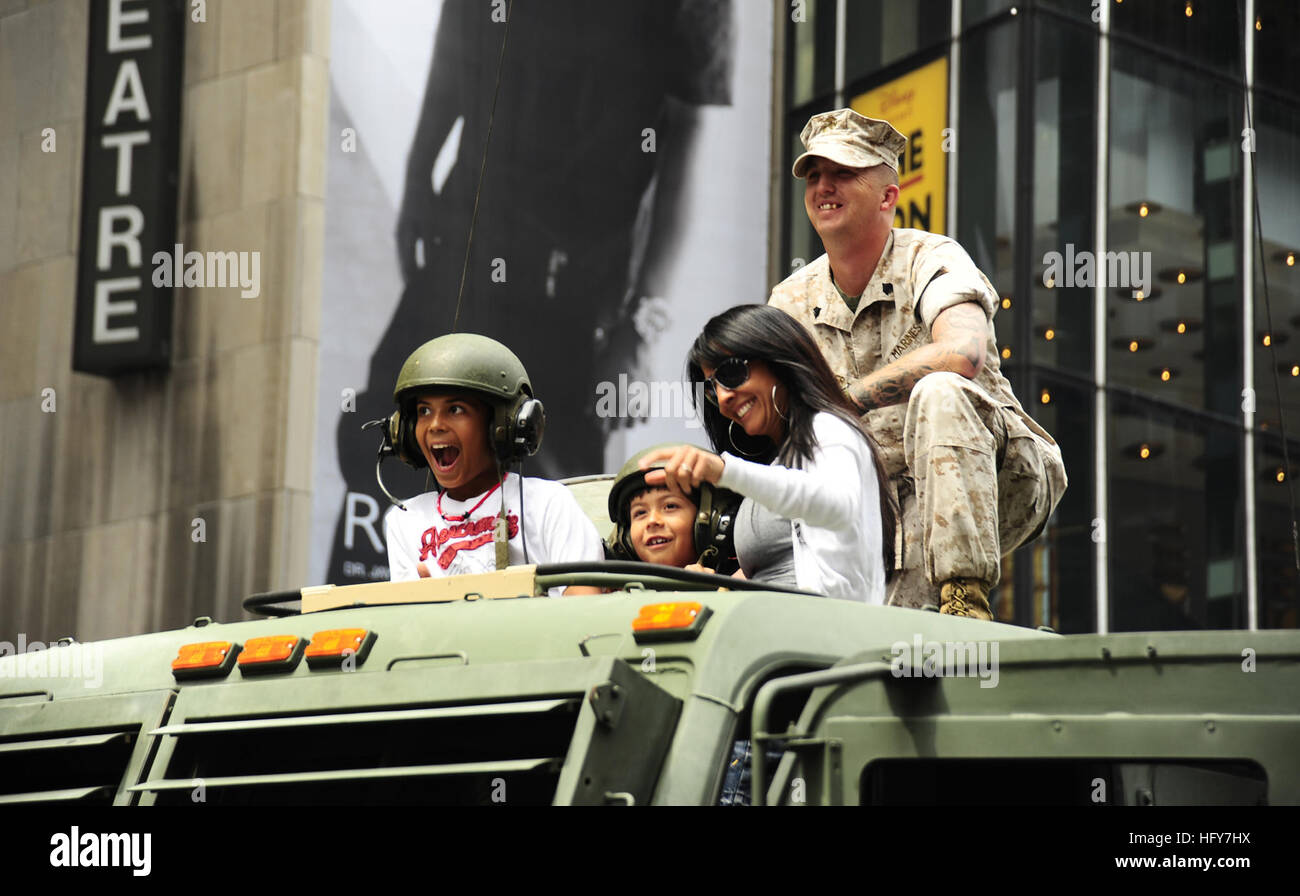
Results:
<point x="633" y="568"/>
<point x="265" y="604"/>
<point x="487" y="143"/>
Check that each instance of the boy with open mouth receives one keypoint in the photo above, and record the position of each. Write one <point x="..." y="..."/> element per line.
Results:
<point x="465" y="411"/>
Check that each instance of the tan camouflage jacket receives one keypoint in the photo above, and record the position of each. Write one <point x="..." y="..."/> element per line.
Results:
<point x="887" y="324"/>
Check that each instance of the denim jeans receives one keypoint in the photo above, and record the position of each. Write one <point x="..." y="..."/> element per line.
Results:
<point x="737" y="785"/>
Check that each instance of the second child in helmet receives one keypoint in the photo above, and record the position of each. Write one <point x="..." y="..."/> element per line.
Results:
<point x="654" y="525"/>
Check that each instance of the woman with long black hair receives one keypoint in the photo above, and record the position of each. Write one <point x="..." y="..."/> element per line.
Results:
<point x="817" y="514"/>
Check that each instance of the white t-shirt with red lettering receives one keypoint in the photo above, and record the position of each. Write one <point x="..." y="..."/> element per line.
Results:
<point x="425" y="542"/>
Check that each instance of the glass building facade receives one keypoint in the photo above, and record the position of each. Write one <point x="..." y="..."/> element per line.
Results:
<point x="1127" y="173"/>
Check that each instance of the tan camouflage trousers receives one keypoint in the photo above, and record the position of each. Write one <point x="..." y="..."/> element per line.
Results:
<point x="979" y="483"/>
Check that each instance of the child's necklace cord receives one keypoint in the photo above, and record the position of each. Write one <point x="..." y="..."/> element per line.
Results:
<point x="467" y="514"/>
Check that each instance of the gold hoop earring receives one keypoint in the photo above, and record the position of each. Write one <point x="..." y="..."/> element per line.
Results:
<point x="732" y="439"/>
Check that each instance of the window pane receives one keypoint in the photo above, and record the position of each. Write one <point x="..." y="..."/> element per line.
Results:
<point x="1277" y="350"/>
<point x="987" y="166"/>
<point x="1173" y="259"/>
<point x="1207" y="31"/>
<point x="1174" y="530"/>
<point x="1277" y="128"/>
<point x="1060" y="562"/>
<point x="1081" y="8"/>
<point x="805" y="245"/>
<point x="1279" y="597"/>
<point x="810" y="51"/>
<point x="1277" y="45"/>
<point x="1065" y="60"/>
<point x="879" y="32"/>
<point x="973" y="11"/>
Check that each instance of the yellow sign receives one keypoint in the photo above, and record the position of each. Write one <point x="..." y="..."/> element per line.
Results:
<point x="917" y="104"/>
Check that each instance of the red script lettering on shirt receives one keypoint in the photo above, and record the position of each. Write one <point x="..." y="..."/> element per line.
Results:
<point x="474" y="534"/>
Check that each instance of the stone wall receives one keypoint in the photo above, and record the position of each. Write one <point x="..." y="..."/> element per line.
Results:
<point x="99" y="499"/>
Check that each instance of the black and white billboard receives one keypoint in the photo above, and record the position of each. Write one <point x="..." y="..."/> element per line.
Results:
<point x="620" y="199"/>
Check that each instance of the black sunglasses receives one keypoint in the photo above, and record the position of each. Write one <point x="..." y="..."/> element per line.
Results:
<point x="731" y="374"/>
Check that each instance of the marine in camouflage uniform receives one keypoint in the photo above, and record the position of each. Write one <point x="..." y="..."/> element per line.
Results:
<point x="975" y="476"/>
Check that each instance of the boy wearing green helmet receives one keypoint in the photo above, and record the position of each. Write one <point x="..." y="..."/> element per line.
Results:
<point x="466" y="411"/>
<point x="655" y="525"/>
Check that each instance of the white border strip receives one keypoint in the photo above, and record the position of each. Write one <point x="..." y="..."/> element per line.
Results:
<point x="1248" y="328"/>
<point x="1101" y="209"/>
<point x="954" y="96"/>
<point x="841" y="11"/>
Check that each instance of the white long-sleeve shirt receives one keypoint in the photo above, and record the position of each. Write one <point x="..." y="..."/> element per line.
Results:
<point x="833" y="504"/>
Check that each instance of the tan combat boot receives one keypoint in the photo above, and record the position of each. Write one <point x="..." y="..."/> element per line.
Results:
<point x="965" y="597"/>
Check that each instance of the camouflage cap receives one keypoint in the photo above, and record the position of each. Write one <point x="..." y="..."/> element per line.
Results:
<point x="849" y="139"/>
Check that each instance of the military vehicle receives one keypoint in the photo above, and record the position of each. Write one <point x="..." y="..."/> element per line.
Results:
<point x="469" y="690"/>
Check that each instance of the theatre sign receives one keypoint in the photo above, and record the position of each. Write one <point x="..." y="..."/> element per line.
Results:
<point x="129" y="183"/>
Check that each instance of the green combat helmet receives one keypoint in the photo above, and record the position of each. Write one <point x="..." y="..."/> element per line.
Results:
<point x="711" y="534"/>
<point x="476" y="364"/>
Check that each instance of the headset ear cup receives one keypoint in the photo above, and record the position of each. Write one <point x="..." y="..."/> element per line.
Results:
<point x="713" y="526"/>
<point x="622" y="543"/>
<point x="705" y="520"/>
<point x="401" y="428"/>
<point x="389" y="431"/>
<point x="527" y="425"/>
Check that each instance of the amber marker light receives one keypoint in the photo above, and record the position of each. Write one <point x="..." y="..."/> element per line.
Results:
<point x="208" y="658"/>
<point x="333" y="647"/>
<point x="274" y="653"/>
<point x="679" y="621"/>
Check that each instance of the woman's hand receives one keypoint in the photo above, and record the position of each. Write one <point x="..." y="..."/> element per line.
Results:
<point x="700" y="567"/>
<point x="685" y="467"/>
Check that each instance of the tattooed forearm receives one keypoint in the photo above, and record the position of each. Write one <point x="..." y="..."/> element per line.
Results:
<point x="959" y="338"/>
<point x="892" y="384"/>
